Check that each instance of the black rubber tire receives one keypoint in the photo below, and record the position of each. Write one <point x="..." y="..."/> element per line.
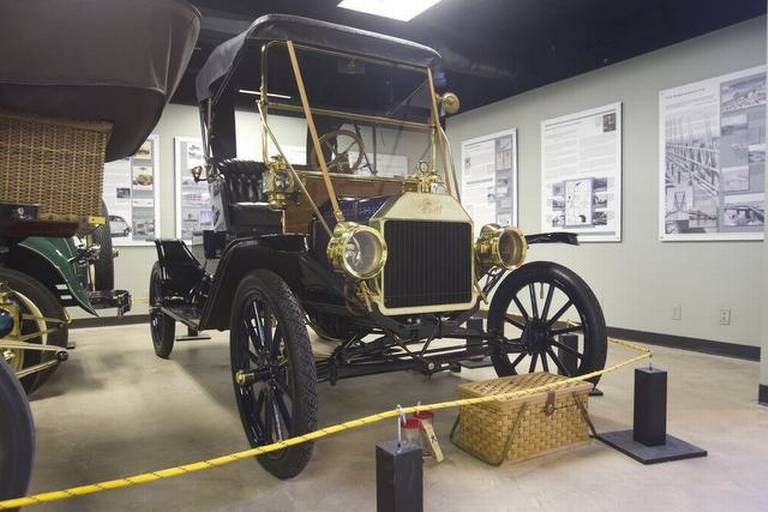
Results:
<point x="580" y="294"/>
<point x="302" y="376"/>
<point x="162" y="326"/>
<point x="104" y="266"/>
<point x="50" y="307"/>
<point x="17" y="436"/>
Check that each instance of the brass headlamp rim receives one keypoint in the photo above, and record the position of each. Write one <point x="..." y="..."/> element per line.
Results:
<point x="488" y="246"/>
<point x="342" y="233"/>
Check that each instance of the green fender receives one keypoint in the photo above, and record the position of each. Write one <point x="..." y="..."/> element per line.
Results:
<point x="58" y="252"/>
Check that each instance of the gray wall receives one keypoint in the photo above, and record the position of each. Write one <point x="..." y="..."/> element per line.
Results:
<point x="640" y="280"/>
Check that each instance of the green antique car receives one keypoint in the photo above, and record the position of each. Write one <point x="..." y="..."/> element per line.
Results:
<point x="49" y="275"/>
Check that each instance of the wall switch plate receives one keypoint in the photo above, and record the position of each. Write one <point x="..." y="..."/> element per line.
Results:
<point x="677" y="312"/>
<point x="725" y="317"/>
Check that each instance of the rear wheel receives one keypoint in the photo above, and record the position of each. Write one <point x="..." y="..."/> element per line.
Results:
<point x="104" y="266"/>
<point x="533" y="308"/>
<point x="17" y="436"/>
<point x="37" y="303"/>
<point x="162" y="326"/>
<point x="273" y="370"/>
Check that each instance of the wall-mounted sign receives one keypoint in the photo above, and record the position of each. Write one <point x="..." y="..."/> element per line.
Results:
<point x="193" y="202"/>
<point x="581" y="174"/>
<point x="712" y="158"/>
<point x="132" y="195"/>
<point x="489" y="178"/>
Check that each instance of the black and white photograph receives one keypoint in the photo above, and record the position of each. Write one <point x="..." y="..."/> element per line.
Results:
<point x="712" y="156"/>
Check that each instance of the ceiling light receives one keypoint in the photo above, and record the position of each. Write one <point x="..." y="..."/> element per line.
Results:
<point x="403" y="10"/>
<point x="269" y="94"/>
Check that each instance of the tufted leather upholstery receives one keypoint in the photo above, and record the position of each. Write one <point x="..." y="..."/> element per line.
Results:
<point x="243" y="180"/>
<point x="239" y="189"/>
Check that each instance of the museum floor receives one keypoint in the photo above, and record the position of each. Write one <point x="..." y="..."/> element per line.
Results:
<point x="114" y="409"/>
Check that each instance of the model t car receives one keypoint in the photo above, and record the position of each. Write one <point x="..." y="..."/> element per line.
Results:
<point x="351" y="223"/>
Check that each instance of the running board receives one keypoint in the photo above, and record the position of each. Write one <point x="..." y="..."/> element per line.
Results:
<point x="193" y="335"/>
<point x="187" y="315"/>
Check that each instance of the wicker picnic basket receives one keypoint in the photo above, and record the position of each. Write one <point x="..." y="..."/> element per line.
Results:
<point x="521" y="428"/>
<point x="56" y="164"/>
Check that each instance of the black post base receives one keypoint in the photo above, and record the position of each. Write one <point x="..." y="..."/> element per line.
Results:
<point x="673" y="449"/>
<point x="399" y="477"/>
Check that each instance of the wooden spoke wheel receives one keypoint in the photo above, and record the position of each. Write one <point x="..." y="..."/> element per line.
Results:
<point x="17" y="436"/>
<point x="532" y="311"/>
<point x="161" y="326"/>
<point x="273" y="370"/>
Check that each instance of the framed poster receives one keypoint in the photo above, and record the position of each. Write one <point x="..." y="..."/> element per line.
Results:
<point x="581" y="167"/>
<point x="193" y="200"/>
<point x="489" y="178"/>
<point x="712" y="158"/>
<point x="132" y="195"/>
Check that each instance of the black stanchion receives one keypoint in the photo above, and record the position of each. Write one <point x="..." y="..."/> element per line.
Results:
<point x="399" y="477"/>
<point x="569" y="359"/>
<point x="648" y="441"/>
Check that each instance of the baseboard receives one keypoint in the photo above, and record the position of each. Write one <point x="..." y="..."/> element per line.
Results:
<point x="108" y="321"/>
<point x="762" y="394"/>
<point x="717" y="348"/>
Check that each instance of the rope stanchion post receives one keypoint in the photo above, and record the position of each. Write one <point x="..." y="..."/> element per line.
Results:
<point x="399" y="473"/>
<point x="48" y="497"/>
<point x="650" y="407"/>
<point x="648" y="441"/>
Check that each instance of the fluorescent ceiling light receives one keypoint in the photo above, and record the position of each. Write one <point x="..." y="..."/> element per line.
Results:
<point x="403" y="10"/>
<point x="269" y="94"/>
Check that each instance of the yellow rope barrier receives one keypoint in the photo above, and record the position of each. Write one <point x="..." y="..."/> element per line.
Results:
<point x="152" y="476"/>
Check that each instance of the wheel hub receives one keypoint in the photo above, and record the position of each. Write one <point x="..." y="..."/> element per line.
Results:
<point x="537" y="336"/>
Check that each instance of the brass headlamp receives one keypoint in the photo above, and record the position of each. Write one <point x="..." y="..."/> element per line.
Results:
<point x="357" y="250"/>
<point x="498" y="246"/>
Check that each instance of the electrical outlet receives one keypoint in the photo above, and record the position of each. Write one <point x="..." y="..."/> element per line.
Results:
<point x="725" y="317"/>
<point x="677" y="312"/>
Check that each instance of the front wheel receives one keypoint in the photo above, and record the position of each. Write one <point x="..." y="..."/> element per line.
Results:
<point x="533" y="307"/>
<point x="17" y="436"/>
<point x="273" y="370"/>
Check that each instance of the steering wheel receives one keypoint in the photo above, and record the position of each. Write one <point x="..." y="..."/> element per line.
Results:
<point x="340" y="143"/>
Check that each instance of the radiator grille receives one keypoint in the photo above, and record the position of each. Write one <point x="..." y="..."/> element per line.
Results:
<point x="429" y="263"/>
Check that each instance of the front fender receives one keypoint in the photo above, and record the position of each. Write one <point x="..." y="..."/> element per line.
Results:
<point x="56" y="253"/>
<point x="554" y="237"/>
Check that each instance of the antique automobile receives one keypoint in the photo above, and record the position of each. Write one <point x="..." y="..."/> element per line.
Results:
<point x="362" y="237"/>
<point x="62" y="114"/>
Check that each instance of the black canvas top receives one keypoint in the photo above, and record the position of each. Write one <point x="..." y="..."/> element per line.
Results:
<point x="110" y="60"/>
<point x="284" y="27"/>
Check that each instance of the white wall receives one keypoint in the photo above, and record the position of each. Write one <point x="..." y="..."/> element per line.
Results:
<point x="640" y="280"/>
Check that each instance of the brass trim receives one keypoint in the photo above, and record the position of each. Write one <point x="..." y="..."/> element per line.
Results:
<point x="488" y="249"/>
<point x="342" y="234"/>
<point x="313" y="132"/>
<point x="352" y="115"/>
<point x="296" y="177"/>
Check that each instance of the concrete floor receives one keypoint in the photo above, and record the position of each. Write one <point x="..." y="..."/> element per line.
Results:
<point x="114" y="409"/>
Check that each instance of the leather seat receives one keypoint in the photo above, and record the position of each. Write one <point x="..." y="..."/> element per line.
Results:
<point x="244" y="207"/>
